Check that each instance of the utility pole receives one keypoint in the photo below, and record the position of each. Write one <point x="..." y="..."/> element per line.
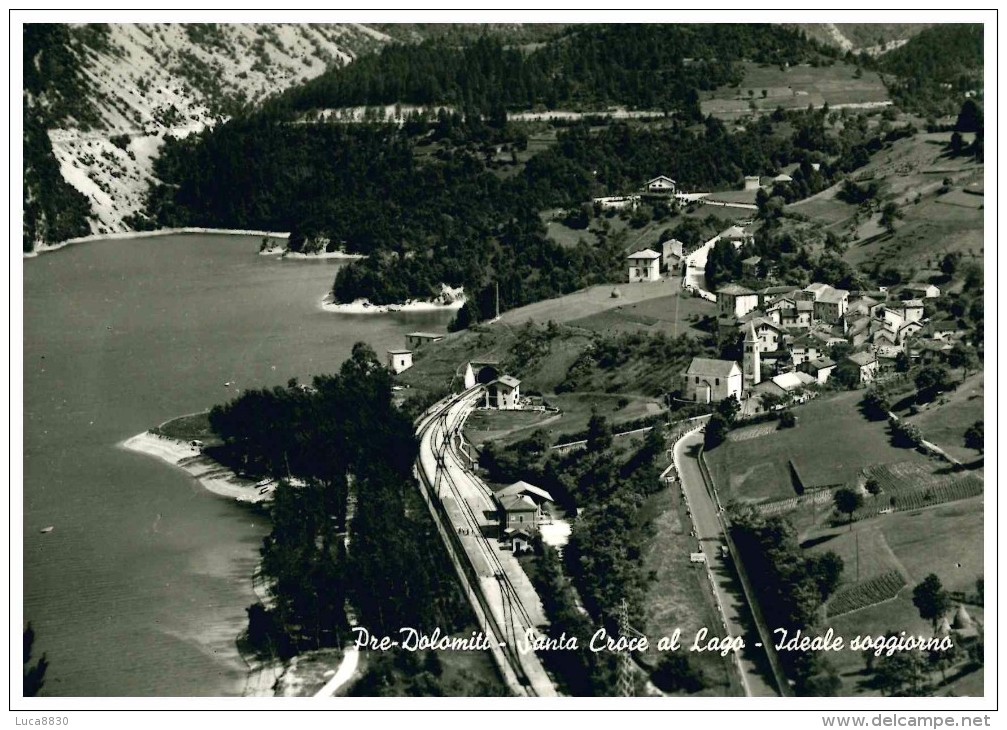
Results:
<point x="626" y="660"/>
<point x="496" y="285"/>
<point x="858" y="555"/>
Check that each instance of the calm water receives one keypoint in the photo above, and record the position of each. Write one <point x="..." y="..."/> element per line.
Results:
<point x="142" y="586"/>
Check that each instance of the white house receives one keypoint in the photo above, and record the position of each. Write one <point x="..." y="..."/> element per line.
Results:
<point x="752" y="182"/>
<point x="644" y="266"/>
<point x="399" y="360"/>
<point x="661" y="184"/>
<point x="672" y="255"/>
<point x="709" y="381"/>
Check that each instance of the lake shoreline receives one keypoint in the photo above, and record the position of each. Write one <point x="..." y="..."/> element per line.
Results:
<point x="212" y="475"/>
<point x="132" y="235"/>
<point x="363" y="306"/>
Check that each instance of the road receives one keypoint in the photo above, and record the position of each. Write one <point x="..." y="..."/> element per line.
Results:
<point x="710" y="533"/>
<point x="502" y="596"/>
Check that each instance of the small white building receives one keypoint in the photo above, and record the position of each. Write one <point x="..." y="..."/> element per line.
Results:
<point x="661" y="184"/>
<point x="710" y="381"/>
<point x="644" y="266"/>
<point x="752" y="182"/>
<point x="399" y="360"/>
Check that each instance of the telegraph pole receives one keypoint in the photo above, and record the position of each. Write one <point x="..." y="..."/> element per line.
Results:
<point x="626" y="660"/>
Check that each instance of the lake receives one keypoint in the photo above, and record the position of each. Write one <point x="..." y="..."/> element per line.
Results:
<point x="142" y="585"/>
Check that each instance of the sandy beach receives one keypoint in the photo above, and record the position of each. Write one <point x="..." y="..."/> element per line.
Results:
<point x="449" y="300"/>
<point x="211" y="474"/>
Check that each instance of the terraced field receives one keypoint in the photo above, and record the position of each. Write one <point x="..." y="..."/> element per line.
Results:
<point x="866" y="593"/>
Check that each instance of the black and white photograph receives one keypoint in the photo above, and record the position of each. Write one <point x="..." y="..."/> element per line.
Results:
<point x="544" y="360"/>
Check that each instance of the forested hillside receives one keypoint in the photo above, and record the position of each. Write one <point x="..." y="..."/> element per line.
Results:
<point x="936" y="68"/>
<point x="100" y="99"/>
<point x="641" y="66"/>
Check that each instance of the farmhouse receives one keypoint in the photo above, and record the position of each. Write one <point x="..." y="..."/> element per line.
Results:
<point x="805" y="349"/>
<point x="661" y="184"/>
<point x="939" y="330"/>
<point x="418" y="339"/>
<point x="672" y="255"/>
<point x="821" y="368"/>
<point x="644" y="266"/>
<point x="735" y="300"/>
<point x="399" y="360"/>
<point x="911" y="310"/>
<point x="504" y="393"/>
<point x="750" y="266"/>
<point x="774" y="294"/>
<point x="923" y="291"/>
<point x="829" y="303"/>
<point x="769" y="333"/>
<point x="867" y="364"/>
<point x="736" y="235"/>
<point x="710" y="381"/>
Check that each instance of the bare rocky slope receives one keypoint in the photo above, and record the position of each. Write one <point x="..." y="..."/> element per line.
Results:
<point x="108" y="96"/>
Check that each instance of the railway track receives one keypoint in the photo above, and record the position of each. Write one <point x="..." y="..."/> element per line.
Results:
<point x="504" y="617"/>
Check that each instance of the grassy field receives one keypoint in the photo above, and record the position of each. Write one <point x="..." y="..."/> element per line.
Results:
<point x="679" y="596"/>
<point x="577" y="409"/>
<point x="673" y="315"/>
<point x="945" y="424"/>
<point x="946" y="540"/>
<point x="590" y="301"/>
<point x="793" y="88"/>
<point x="506" y="426"/>
<point x="756" y="469"/>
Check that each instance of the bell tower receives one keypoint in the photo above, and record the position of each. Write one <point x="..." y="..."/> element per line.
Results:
<point x="752" y="364"/>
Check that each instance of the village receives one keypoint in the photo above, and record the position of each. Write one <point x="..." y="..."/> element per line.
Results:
<point x="782" y="347"/>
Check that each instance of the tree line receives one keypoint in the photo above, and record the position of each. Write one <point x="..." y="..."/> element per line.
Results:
<point x="651" y="66"/>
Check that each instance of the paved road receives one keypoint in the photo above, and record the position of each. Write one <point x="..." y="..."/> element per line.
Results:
<point x="709" y="532"/>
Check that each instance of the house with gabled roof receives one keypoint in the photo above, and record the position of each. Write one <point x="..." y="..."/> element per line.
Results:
<point x="736" y="300"/>
<point x="661" y="184"/>
<point x="820" y="368"/>
<point x="644" y="265"/>
<point x="711" y="381"/>
<point x="504" y="393"/>
<point x="866" y="363"/>
<point x="922" y="290"/>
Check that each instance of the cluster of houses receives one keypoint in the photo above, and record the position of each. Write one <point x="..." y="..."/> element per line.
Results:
<point x="788" y="332"/>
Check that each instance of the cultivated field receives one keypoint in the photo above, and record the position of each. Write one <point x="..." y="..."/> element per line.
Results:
<point x="946" y="540"/>
<point x="794" y="88"/>
<point x="832" y="444"/>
